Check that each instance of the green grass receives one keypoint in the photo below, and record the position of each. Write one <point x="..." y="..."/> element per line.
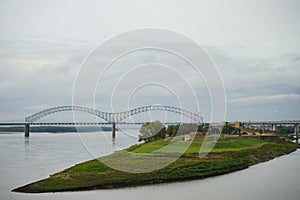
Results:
<point x="223" y="145"/>
<point x="229" y="154"/>
<point x="236" y="144"/>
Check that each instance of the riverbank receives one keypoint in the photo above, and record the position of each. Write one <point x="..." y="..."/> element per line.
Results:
<point x="8" y="132"/>
<point x="228" y="155"/>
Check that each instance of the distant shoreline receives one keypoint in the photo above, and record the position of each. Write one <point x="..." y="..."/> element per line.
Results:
<point x="55" y="129"/>
<point x="5" y="132"/>
<point x="18" y="132"/>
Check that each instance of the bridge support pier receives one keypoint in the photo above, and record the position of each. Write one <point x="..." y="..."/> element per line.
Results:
<point x="113" y="132"/>
<point x="273" y="127"/>
<point x="26" y="130"/>
<point x="296" y="129"/>
<point x="263" y="128"/>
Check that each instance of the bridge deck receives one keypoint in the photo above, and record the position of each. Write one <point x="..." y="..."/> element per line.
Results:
<point x="273" y="122"/>
<point x="74" y="124"/>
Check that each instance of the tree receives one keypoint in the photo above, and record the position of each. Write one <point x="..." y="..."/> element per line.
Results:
<point x="172" y="130"/>
<point x="203" y="128"/>
<point x="228" y="129"/>
<point x="152" y="131"/>
<point x="285" y="129"/>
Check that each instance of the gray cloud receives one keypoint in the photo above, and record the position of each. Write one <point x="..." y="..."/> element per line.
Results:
<point x="42" y="45"/>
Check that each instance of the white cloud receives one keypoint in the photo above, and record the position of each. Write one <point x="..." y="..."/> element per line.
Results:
<point x="265" y="99"/>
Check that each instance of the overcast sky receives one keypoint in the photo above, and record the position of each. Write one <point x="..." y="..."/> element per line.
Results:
<point x="254" y="43"/>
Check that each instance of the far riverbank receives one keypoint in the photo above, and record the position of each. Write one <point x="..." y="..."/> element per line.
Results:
<point x="9" y="132"/>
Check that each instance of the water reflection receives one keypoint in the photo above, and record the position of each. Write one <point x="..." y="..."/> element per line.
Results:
<point x="26" y="142"/>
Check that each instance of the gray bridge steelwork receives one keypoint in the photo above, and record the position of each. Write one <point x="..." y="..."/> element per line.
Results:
<point x="273" y="125"/>
<point x="110" y="118"/>
<point x="113" y="118"/>
<point x="278" y="122"/>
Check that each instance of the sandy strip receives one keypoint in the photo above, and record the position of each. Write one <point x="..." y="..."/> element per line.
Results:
<point x="9" y="132"/>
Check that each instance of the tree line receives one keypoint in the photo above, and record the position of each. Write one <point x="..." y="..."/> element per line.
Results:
<point x="55" y="129"/>
<point x="155" y="130"/>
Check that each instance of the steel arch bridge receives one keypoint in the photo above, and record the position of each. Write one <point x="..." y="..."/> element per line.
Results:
<point x="114" y="117"/>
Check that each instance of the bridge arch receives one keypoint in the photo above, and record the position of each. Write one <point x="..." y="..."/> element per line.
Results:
<point x="36" y="116"/>
<point x="114" y="117"/>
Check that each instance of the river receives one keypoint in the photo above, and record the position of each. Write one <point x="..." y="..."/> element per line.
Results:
<point x="26" y="160"/>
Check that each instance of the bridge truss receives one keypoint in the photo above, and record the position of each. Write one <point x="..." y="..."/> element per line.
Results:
<point x="114" y="117"/>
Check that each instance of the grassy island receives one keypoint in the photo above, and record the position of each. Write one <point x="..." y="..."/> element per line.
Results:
<point x="228" y="155"/>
